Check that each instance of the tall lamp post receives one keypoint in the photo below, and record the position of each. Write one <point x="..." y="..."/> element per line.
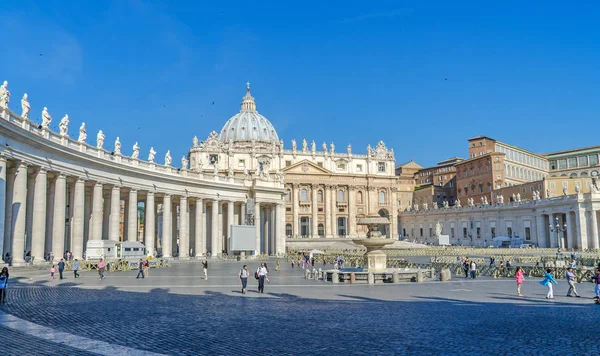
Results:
<point x="558" y="229"/>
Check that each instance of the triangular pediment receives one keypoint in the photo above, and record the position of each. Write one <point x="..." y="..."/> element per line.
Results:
<point x="305" y="167"/>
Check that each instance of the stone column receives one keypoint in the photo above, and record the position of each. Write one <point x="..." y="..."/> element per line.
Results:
<point x="58" y="233"/>
<point x="199" y="238"/>
<point x="10" y="184"/>
<point x="243" y="214"/>
<point x="166" y="226"/>
<point x="393" y="203"/>
<point x="553" y="239"/>
<point x="50" y="214"/>
<point x="97" y="210"/>
<point x="593" y="230"/>
<point x="230" y="221"/>
<point x="2" y="202"/>
<point x="214" y="230"/>
<point x="78" y="218"/>
<point x="257" y="224"/>
<point x="115" y="214"/>
<point x="266" y="229"/>
<point x="149" y="224"/>
<point x="19" y="213"/>
<point x="581" y="223"/>
<point x="334" y="231"/>
<point x="273" y="230"/>
<point x="571" y="230"/>
<point x="327" y="204"/>
<point x="132" y="216"/>
<point x="184" y="228"/>
<point x="106" y="204"/>
<point x="29" y="216"/>
<point x="174" y="229"/>
<point x="280" y="239"/>
<point x="38" y="233"/>
<point x="351" y="211"/>
<point x="314" y="229"/>
<point x="296" y="210"/>
<point x="87" y="222"/>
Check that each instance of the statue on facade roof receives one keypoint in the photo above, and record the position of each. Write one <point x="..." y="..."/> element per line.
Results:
<point x="324" y="146"/>
<point x="565" y="191"/>
<point x="519" y="197"/>
<point x="485" y="201"/>
<point x="293" y="144"/>
<point x="304" y="145"/>
<point x="117" y="146"/>
<point x="151" y="155"/>
<point x="184" y="162"/>
<point x="136" y="151"/>
<point x="457" y="204"/>
<point x="434" y="205"/>
<point x="46" y="118"/>
<point x="514" y="197"/>
<point x="332" y="147"/>
<point x="100" y="139"/>
<point x="4" y="95"/>
<point x="445" y="204"/>
<point x="168" y="158"/>
<point x="313" y="146"/>
<point x="195" y="141"/>
<point x="425" y="206"/>
<point x="577" y="189"/>
<point x="349" y="149"/>
<point x="64" y="125"/>
<point x="438" y="229"/>
<point x="25" y="107"/>
<point x="82" y="133"/>
<point x="548" y="190"/>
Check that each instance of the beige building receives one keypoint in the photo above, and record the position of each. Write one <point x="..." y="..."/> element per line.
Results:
<point x="582" y="162"/>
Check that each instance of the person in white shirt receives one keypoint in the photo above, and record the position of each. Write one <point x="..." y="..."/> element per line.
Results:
<point x="473" y="269"/>
<point x="262" y="275"/>
<point x="243" y="276"/>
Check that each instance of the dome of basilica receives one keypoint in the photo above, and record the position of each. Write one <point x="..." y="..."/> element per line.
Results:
<point x="248" y="124"/>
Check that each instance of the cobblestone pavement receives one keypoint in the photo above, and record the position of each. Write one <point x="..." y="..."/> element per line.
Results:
<point x="177" y="312"/>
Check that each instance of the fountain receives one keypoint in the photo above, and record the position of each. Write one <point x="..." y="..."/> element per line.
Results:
<point x="376" y="259"/>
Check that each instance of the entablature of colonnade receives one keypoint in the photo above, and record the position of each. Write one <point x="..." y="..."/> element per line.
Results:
<point x="588" y="201"/>
<point x="24" y="141"/>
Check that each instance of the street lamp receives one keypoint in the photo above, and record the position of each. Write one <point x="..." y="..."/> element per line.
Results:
<point x="558" y="229"/>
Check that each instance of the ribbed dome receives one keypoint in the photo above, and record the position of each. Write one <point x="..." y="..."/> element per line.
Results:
<point x="248" y="124"/>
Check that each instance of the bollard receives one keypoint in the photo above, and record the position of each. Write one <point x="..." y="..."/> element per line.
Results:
<point x="335" y="277"/>
<point x="395" y="277"/>
<point x="306" y="274"/>
<point x="420" y="276"/>
<point x="371" y="278"/>
<point x="352" y="277"/>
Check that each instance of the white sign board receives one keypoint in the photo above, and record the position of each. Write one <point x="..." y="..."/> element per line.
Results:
<point x="444" y="240"/>
<point x="243" y="238"/>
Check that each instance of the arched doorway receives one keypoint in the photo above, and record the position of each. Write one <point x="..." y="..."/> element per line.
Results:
<point x="385" y="229"/>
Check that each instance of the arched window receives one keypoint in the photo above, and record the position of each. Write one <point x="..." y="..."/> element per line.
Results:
<point x="573" y="174"/>
<point x="583" y="174"/>
<point x="382" y="197"/>
<point x="320" y="196"/>
<point x="303" y="195"/>
<point x="288" y="229"/>
<point x="321" y="230"/>
<point x="288" y="195"/>
<point x="340" y="196"/>
<point x="359" y="197"/>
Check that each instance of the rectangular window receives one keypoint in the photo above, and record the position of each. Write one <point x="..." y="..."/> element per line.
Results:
<point x="527" y="233"/>
<point x="242" y="163"/>
<point x="464" y="232"/>
<point x="562" y="164"/>
<point x="320" y="164"/>
<point x="509" y="231"/>
<point x="359" y="168"/>
<point x="288" y="163"/>
<point x="478" y="232"/>
<point x="421" y="231"/>
<point x="572" y="162"/>
<point x="582" y="161"/>
<point x="341" y="166"/>
<point x="493" y="231"/>
<point x="127" y="249"/>
<point x="381" y="167"/>
<point x="430" y="232"/>
<point x="452" y="232"/>
<point x="214" y="159"/>
<point x="593" y="160"/>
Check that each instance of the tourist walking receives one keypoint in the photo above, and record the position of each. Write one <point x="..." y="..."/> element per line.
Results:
<point x="473" y="269"/>
<point x="466" y="268"/>
<point x="52" y="270"/>
<point x="61" y="268"/>
<point x="140" y="269"/>
<point x="205" y="267"/>
<point x="596" y="279"/>
<point x="243" y="276"/>
<point x="547" y="282"/>
<point x="3" y="284"/>
<point x="262" y="275"/>
<point x="146" y="267"/>
<point x="76" y="268"/>
<point x="571" y="280"/>
<point x="519" y="277"/>
<point x="101" y="266"/>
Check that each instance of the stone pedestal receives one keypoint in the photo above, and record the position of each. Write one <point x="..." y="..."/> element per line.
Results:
<point x="376" y="261"/>
<point x="371" y="278"/>
<point x="420" y="277"/>
<point x="395" y="277"/>
<point x="335" y="277"/>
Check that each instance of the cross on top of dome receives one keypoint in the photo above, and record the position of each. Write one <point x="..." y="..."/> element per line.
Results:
<point x="248" y="103"/>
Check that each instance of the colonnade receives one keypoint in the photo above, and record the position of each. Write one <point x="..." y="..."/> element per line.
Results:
<point x="47" y="212"/>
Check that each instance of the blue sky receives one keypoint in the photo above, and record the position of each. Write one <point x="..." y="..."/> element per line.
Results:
<point x="421" y="76"/>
